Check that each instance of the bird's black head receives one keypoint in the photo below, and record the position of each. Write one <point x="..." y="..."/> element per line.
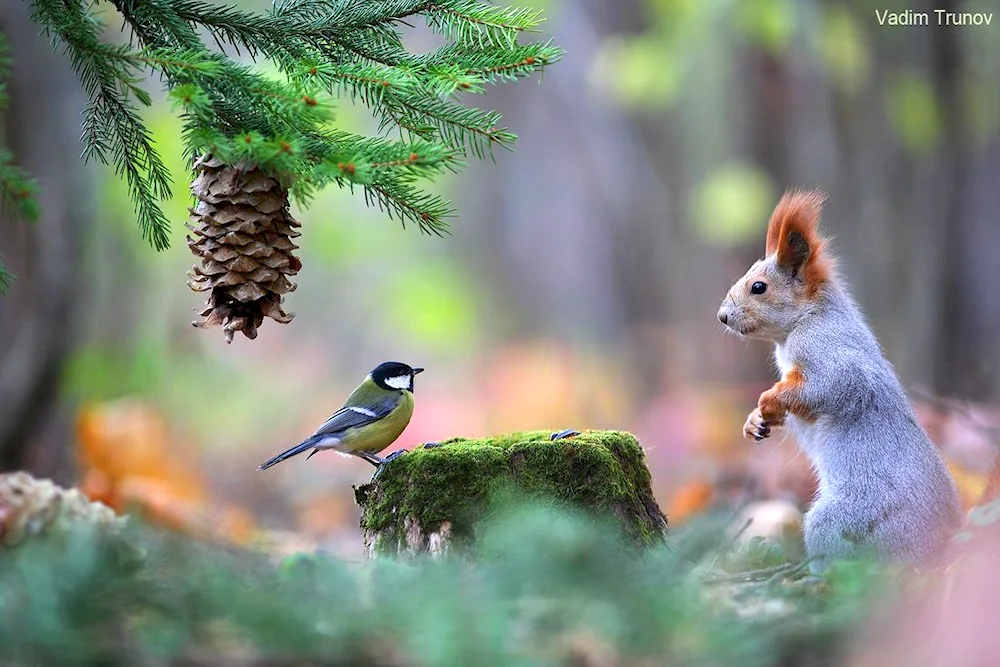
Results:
<point x="393" y="375"/>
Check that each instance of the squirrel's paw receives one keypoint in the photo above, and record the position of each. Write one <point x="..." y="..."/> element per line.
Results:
<point x="756" y="427"/>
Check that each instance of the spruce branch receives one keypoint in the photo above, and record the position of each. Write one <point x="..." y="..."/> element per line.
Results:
<point x="474" y="22"/>
<point x="113" y="131"/>
<point x="324" y="50"/>
<point x="428" y="211"/>
<point x="18" y="191"/>
<point x="463" y="128"/>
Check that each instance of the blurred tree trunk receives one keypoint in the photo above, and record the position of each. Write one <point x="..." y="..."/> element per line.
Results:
<point x="975" y="329"/>
<point x="552" y="257"/>
<point x="967" y="354"/>
<point x="582" y="229"/>
<point x="41" y="126"/>
<point x="768" y="99"/>
<point x="588" y="229"/>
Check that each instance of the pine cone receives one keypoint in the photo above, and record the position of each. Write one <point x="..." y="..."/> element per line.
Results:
<point x="244" y="232"/>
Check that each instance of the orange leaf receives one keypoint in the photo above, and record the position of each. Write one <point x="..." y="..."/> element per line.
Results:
<point x="128" y="460"/>
<point x="692" y="498"/>
<point x="157" y="503"/>
<point x="971" y="484"/>
<point x="992" y="490"/>
<point x="129" y="439"/>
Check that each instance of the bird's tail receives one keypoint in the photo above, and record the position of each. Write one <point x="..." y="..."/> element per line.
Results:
<point x="303" y="446"/>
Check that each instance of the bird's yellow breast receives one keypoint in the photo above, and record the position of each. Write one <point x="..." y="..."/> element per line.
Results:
<point x="376" y="437"/>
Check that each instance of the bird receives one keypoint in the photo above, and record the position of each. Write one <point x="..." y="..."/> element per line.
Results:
<point x="371" y="419"/>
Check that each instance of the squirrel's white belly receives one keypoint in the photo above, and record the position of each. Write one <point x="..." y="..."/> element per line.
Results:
<point x="809" y="434"/>
<point x="784" y="360"/>
<point x="805" y="432"/>
<point x="812" y="437"/>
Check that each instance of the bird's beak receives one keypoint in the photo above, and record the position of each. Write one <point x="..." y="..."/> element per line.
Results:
<point x="418" y="370"/>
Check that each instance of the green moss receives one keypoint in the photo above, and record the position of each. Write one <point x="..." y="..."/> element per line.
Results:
<point x="463" y="482"/>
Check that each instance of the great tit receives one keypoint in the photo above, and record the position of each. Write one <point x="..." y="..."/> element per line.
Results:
<point x="371" y="419"/>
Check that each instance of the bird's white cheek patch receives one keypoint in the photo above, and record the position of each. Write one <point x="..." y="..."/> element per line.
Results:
<point x="363" y="411"/>
<point x="399" y="382"/>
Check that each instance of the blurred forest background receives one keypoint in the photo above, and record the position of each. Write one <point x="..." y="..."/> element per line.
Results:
<point x="579" y="288"/>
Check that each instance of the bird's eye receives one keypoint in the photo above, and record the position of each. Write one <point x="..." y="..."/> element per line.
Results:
<point x="758" y="288"/>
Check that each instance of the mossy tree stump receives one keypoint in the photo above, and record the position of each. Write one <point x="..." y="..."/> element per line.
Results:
<point x="431" y="500"/>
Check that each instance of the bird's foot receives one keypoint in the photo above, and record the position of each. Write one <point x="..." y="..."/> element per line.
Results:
<point x="432" y="445"/>
<point x="381" y="463"/>
<point x="567" y="433"/>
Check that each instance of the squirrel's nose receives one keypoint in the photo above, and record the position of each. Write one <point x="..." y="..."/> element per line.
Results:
<point x="723" y="315"/>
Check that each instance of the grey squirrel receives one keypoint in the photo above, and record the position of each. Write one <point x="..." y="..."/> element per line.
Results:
<point x="884" y="489"/>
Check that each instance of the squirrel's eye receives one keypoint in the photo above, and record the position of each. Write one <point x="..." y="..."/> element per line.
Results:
<point x="758" y="288"/>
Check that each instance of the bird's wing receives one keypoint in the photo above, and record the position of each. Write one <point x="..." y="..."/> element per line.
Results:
<point x="356" y="417"/>
<point x="332" y="430"/>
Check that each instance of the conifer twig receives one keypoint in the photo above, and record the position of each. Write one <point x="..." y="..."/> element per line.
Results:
<point x="323" y="50"/>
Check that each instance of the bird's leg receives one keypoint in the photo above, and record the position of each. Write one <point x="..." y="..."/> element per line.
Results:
<point x="395" y="455"/>
<point x="371" y="458"/>
<point x="432" y="445"/>
<point x="377" y="460"/>
<point x="559" y="435"/>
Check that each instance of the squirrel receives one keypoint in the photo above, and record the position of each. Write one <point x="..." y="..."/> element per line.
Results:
<point x="884" y="490"/>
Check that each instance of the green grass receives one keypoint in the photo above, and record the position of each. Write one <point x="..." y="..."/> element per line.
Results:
<point x="547" y="587"/>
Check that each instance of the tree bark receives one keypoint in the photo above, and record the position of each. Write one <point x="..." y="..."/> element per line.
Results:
<point x="37" y="315"/>
<point x="966" y="350"/>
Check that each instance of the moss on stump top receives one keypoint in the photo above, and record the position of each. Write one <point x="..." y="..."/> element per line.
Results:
<point x="432" y="499"/>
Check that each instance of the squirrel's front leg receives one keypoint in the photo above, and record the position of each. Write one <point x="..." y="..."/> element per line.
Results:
<point x="784" y="398"/>
<point x="757" y="428"/>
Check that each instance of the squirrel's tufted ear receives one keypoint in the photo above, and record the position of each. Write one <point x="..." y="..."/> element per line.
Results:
<point x="793" y="235"/>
